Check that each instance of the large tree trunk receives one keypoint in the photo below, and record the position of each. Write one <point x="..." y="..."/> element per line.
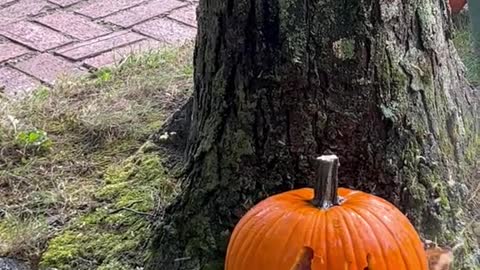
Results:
<point x="279" y="82"/>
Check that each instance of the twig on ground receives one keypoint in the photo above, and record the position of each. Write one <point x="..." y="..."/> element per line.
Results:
<point x="128" y="208"/>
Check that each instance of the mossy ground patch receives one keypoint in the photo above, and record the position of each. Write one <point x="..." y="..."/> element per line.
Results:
<point x="70" y="164"/>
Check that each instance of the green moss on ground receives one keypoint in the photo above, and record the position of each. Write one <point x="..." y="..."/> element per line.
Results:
<point x="113" y="236"/>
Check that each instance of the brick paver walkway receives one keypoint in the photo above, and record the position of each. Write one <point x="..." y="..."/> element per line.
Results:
<point x="41" y="40"/>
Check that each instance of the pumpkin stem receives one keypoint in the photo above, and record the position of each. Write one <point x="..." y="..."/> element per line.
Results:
<point x="327" y="182"/>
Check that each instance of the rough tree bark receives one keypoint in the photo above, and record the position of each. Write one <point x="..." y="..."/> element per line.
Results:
<point x="279" y="82"/>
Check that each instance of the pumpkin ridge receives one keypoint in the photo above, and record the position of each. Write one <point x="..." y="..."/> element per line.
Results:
<point x="378" y="245"/>
<point x="341" y="235"/>
<point x="292" y="234"/>
<point x="245" y="245"/>
<point x="251" y="244"/>
<point x="355" y="197"/>
<point x="270" y="226"/>
<point x="395" y="236"/>
<point x="236" y="233"/>
<point x="349" y="230"/>
<point x="310" y="237"/>
<point x="325" y="237"/>
<point x="421" y="254"/>
<point x="419" y="250"/>
<point x="314" y="237"/>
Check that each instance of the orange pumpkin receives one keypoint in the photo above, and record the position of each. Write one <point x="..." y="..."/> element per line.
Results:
<point x="457" y="5"/>
<point x="346" y="230"/>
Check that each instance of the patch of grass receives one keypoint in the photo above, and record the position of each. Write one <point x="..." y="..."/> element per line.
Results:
<point x="58" y="149"/>
<point x="26" y="235"/>
<point x="464" y="44"/>
<point x="115" y="234"/>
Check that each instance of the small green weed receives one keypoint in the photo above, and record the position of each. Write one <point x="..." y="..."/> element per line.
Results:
<point x="103" y="75"/>
<point x="36" y="140"/>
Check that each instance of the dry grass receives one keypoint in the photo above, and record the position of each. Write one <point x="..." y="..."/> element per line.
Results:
<point x="464" y="45"/>
<point x="56" y="144"/>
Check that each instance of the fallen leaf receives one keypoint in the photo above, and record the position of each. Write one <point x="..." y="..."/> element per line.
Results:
<point x="439" y="258"/>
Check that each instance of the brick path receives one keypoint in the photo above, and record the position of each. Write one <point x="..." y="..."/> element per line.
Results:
<point x="42" y="40"/>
